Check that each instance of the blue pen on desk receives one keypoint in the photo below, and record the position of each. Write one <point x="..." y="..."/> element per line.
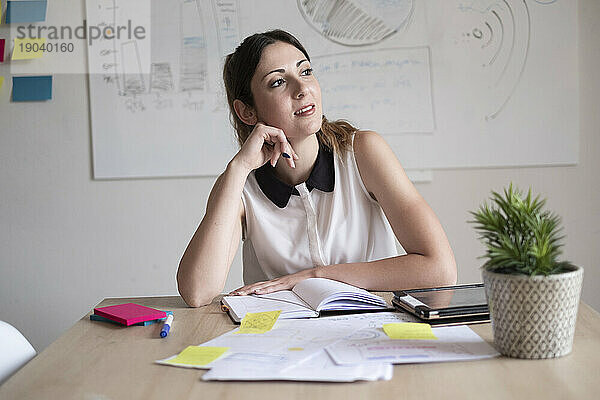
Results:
<point x="167" y="326"/>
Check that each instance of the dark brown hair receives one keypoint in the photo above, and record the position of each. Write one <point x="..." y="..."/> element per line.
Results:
<point x="238" y="71"/>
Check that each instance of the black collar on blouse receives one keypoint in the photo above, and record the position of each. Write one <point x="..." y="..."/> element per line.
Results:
<point x="321" y="177"/>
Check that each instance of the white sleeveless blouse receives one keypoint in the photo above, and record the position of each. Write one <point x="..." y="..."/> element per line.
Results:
<point x="329" y="219"/>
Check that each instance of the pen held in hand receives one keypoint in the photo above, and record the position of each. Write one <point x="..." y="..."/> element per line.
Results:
<point x="166" y="327"/>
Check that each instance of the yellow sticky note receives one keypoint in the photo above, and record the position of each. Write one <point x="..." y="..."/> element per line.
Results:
<point x="409" y="331"/>
<point x="198" y="355"/>
<point x="1" y="81"/>
<point x="259" y="322"/>
<point x="28" y="48"/>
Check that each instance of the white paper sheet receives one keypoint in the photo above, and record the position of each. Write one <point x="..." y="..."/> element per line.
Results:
<point x="455" y="343"/>
<point x="292" y="341"/>
<point x="289" y="342"/>
<point x="319" y="368"/>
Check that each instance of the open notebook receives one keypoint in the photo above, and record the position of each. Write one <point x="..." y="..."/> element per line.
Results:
<point x="306" y="300"/>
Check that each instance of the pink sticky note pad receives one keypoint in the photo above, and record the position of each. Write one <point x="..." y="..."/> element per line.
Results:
<point x="129" y="313"/>
<point x="2" y="41"/>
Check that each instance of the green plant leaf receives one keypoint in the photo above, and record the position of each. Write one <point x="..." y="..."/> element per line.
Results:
<point x="519" y="235"/>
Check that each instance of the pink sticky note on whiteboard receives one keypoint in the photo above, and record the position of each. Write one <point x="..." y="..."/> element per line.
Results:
<point x="2" y="41"/>
<point x="129" y="313"/>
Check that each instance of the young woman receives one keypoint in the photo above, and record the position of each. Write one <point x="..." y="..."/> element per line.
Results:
<point x="308" y="197"/>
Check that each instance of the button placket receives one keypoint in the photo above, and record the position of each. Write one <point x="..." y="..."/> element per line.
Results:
<point x="314" y="244"/>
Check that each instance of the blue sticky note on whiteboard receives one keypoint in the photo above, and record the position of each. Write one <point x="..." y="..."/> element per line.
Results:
<point x="32" y="88"/>
<point x="25" y="11"/>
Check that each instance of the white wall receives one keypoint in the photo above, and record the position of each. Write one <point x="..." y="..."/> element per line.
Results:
<point x="67" y="241"/>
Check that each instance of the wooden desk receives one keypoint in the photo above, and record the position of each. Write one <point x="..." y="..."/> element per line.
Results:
<point x="96" y="360"/>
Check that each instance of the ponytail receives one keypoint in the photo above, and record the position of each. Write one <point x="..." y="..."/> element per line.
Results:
<point x="336" y="135"/>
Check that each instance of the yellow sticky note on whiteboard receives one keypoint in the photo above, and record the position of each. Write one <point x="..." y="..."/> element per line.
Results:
<point x="258" y="322"/>
<point x="409" y="331"/>
<point x="198" y="355"/>
<point x="28" y="48"/>
<point x="1" y="81"/>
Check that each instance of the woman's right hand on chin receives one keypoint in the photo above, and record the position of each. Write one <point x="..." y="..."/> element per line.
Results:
<point x="265" y="143"/>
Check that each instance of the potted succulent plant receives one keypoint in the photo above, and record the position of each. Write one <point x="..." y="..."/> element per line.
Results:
<point x="533" y="297"/>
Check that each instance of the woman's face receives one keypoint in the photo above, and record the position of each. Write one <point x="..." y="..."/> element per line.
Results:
<point x="286" y="93"/>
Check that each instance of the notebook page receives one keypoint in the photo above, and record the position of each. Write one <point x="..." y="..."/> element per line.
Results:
<point x="289" y="303"/>
<point x="319" y="292"/>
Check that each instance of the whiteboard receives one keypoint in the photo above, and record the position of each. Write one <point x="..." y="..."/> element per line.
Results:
<point x="448" y="83"/>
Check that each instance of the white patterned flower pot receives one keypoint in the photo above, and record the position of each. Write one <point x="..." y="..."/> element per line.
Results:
<point x="533" y="316"/>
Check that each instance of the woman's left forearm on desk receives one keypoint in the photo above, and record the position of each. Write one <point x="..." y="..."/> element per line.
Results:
<point x="395" y="273"/>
